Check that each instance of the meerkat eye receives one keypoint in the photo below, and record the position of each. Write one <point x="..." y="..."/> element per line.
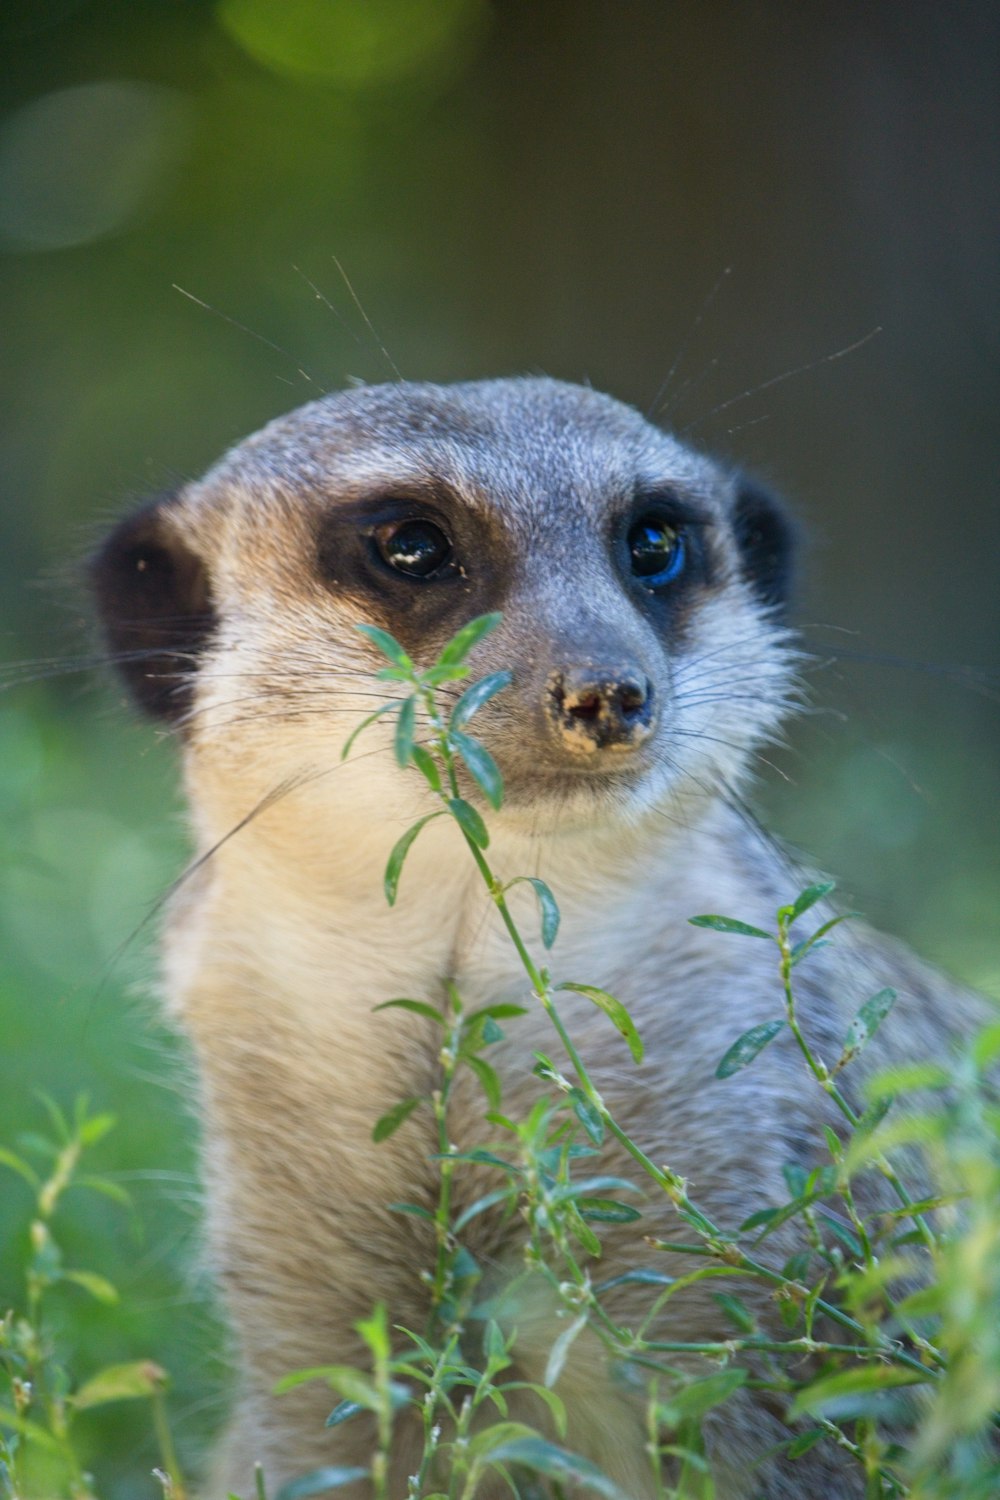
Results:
<point x="418" y="549"/>
<point x="657" y="550"/>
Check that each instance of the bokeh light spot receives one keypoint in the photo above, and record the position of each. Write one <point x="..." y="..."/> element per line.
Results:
<point x="82" y="163"/>
<point x="359" y="43"/>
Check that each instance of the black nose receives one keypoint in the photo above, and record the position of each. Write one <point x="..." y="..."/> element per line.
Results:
<point x="600" y="708"/>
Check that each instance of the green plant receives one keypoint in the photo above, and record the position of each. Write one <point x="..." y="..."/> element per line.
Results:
<point x="40" y="1400"/>
<point x="855" y="1330"/>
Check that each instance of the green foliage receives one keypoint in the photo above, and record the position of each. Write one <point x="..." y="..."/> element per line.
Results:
<point x="870" y="1304"/>
<point x="39" y="1399"/>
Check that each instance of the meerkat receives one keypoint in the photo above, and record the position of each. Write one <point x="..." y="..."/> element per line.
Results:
<point x="643" y="590"/>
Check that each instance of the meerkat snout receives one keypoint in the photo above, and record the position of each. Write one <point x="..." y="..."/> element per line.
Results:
<point x="595" y="708"/>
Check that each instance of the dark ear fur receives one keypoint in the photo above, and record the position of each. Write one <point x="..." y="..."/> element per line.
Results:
<point x="766" y="539"/>
<point x="155" y="605"/>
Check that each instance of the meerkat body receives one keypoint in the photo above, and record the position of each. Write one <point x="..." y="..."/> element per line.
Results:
<point x="641" y="588"/>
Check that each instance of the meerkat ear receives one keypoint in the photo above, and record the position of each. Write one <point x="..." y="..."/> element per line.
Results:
<point x="155" y="606"/>
<point x="766" y="538"/>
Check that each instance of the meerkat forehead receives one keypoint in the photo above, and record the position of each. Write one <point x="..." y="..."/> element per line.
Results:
<point x="540" y="449"/>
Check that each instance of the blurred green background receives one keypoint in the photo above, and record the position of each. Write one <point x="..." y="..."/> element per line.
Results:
<point x="682" y="203"/>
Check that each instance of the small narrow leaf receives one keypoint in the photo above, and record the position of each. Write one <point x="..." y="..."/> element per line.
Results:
<point x="809" y="897"/>
<point x="343" y="1412"/>
<point x="614" y="1010"/>
<point x="98" y="1286"/>
<point x="807" y="1440"/>
<point x="587" y="1114"/>
<point x="96" y="1128"/>
<point x="393" y="1118"/>
<point x="607" y="1211"/>
<point x="542" y="1457"/>
<point x="394" y="867"/>
<point x="469" y="821"/>
<point x="854" y="1382"/>
<point x="8" y="1159"/>
<point x="502" y="1010"/>
<point x="481" y="766"/>
<point x="418" y="1007"/>
<point x="387" y="644"/>
<point x="488" y="1078"/>
<point x="411" y="1208"/>
<point x="405" y="730"/>
<point x="747" y="1047"/>
<point x="642" y="1276"/>
<point x="319" y="1481"/>
<point x="694" y="1400"/>
<point x="560" y="1350"/>
<point x="867" y="1021"/>
<point x="369" y="719"/>
<point x="470" y="635"/>
<point x="736" y="1311"/>
<point x="730" y="924"/>
<point x="475" y="696"/>
<point x="375" y="1332"/>
<point x="128" y="1382"/>
<point x="546" y="903"/>
<point x="427" y="766"/>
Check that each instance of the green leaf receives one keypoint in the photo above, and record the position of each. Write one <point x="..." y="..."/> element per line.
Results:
<point x="427" y="766"/>
<point x="107" y="1187"/>
<point x="491" y="1032"/>
<point x="320" y="1480"/>
<point x="865" y="1024"/>
<point x="343" y="1412"/>
<point x="614" y="1010"/>
<point x="808" y="898"/>
<point x="692" y="1401"/>
<point x="607" y="1211"/>
<point x="587" y="1114"/>
<point x="96" y="1128"/>
<point x="387" y="644"/>
<point x="98" y="1286"/>
<point x="547" y="905"/>
<point x="502" y="1010"/>
<point x="470" y="635"/>
<point x="805" y="1441"/>
<point x="405" y="729"/>
<point x="386" y="708"/>
<point x="375" y="1332"/>
<point x="747" y="1047"/>
<point x="559" y="1352"/>
<point x="22" y="1168"/>
<point x="469" y="821"/>
<point x="730" y="924"/>
<point x="488" y="1078"/>
<point x="489" y="1200"/>
<point x="801" y="949"/>
<point x="476" y="695"/>
<point x="401" y="849"/>
<point x="488" y="1158"/>
<point x="418" y="1007"/>
<point x="350" y="1383"/>
<point x="542" y="1457"/>
<point x="129" y="1382"/>
<point x="411" y="1208"/>
<point x="854" y="1382"/>
<point x="641" y="1276"/>
<point x="555" y="1404"/>
<point x="735" y="1310"/>
<point x="393" y="1118"/>
<point x="481" y="766"/>
<point x="588" y="1186"/>
<point x="27" y="1429"/>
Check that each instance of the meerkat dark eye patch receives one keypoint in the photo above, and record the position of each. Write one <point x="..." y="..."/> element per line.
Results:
<point x="155" y="606"/>
<point x="766" y="539"/>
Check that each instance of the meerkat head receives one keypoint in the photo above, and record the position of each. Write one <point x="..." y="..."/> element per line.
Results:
<point x="641" y="586"/>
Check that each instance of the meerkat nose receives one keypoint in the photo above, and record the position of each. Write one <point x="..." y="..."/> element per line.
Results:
<point x="597" y="708"/>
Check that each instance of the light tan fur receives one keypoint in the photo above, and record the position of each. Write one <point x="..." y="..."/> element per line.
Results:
<point x="278" y="949"/>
